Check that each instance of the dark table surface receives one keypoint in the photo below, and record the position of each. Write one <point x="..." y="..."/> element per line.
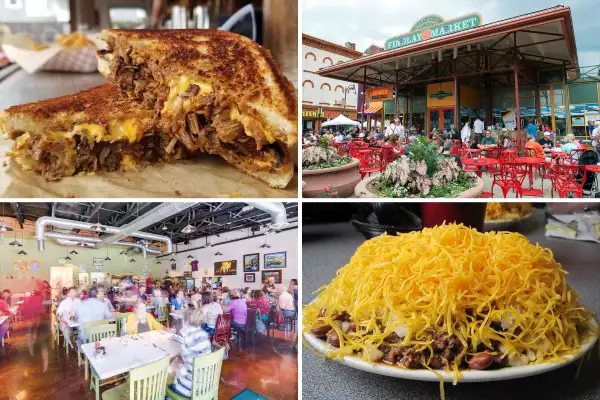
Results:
<point x="327" y="247"/>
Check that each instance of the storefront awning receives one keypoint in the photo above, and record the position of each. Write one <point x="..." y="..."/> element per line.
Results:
<point x="373" y="109"/>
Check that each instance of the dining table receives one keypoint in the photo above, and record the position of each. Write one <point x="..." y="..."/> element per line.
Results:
<point x="531" y="162"/>
<point x="480" y="162"/>
<point x="595" y="168"/>
<point x="127" y="352"/>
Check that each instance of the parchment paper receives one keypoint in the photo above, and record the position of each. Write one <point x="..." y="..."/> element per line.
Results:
<point x="203" y="177"/>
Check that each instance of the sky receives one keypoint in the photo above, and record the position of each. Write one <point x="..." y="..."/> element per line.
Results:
<point x="373" y="21"/>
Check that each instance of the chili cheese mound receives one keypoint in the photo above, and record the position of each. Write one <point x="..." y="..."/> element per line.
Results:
<point x="451" y="298"/>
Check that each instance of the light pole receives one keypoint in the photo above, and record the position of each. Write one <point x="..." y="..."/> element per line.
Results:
<point x="346" y="90"/>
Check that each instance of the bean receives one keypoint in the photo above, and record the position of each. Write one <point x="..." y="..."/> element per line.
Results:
<point x="321" y="331"/>
<point x="333" y="338"/>
<point x="481" y="361"/>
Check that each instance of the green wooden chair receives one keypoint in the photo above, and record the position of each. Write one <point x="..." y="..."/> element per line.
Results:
<point x="99" y="332"/>
<point x="83" y="331"/>
<point x="121" y="319"/>
<point x="145" y="383"/>
<point x="205" y="378"/>
<point x="163" y="314"/>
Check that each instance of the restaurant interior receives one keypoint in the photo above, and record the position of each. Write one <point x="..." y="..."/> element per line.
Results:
<point x="160" y="270"/>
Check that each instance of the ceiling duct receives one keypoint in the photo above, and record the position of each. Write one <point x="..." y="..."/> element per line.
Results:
<point x="114" y="233"/>
<point x="72" y="240"/>
<point x="162" y="212"/>
<point x="277" y="212"/>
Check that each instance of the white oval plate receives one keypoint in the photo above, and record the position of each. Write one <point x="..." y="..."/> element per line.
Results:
<point x="503" y="224"/>
<point x="467" y="375"/>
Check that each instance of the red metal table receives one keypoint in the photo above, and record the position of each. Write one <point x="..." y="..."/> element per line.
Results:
<point x="480" y="163"/>
<point x="596" y="169"/>
<point x="531" y="162"/>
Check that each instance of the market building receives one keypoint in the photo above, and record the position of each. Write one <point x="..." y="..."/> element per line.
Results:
<point x="444" y="73"/>
<point x="325" y="98"/>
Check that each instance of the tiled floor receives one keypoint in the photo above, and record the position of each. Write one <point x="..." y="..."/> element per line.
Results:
<point x="270" y="368"/>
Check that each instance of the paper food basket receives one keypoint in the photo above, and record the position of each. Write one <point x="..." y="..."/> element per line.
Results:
<point x="53" y="58"/>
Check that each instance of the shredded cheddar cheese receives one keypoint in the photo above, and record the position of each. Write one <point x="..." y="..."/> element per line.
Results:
<point x="501" y="211"/>
<point x="455" y="280"/>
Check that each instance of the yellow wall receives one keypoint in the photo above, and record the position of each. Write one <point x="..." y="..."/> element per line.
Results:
<point x="469" y="97"/>
<point x="446" y="101"/>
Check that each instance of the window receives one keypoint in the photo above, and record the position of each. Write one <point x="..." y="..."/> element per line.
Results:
<point x="128" y="18"/>
<point x="309" y="82"/>
<point x="327" y="61"/>
<point x="310" y="55"/>
<point x="326" y="85"/>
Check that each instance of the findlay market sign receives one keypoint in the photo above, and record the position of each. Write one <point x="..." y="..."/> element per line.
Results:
<point x="433" y="27"/>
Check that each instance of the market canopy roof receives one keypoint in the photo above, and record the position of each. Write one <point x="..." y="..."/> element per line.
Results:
<point x="541" y="39"/>
<point x="341" y="120"/>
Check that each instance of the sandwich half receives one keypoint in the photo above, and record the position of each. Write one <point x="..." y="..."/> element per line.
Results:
<point x="99" y="129"/>
<point x="214" y="91"/>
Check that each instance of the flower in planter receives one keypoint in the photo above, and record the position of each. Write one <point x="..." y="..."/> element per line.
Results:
<point x="322" y="156"/>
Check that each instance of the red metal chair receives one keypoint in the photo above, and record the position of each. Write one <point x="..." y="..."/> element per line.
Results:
<point x="467" y="154"/>
<point x="222" y="329"/>
<point x="353" y="151"/>
<point x="340" y="147"/>
<point x="387" y="154"/>
<point x="575" y="155"/>
<point x="568" y="179"/>
<point x="511" y="176"/>
<point x="508" y="155"/>
<point x="370" y="162"/>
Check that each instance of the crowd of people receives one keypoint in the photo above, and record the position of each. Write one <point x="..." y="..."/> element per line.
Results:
<point x="200" y="310"/>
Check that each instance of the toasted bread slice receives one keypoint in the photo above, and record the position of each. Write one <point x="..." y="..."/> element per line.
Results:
<point x="103" y="129"/>
<point x="219" y="75"/>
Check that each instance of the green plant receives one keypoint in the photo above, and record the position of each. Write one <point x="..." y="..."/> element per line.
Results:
<point x="407" y="177"/>
<point x="320" y="157"/>
<point x="424" y="150"/>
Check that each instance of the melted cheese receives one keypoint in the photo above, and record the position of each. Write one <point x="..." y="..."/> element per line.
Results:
<point x="127" y="162"/>
<point x="180" y="86"/>
<point x="245" y="120"/>
<point x="128" y="129"/>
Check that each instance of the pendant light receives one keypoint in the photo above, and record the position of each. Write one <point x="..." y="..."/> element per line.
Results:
<point x="67" y="257"/>
<point x="74" y="252"/>
<point x="158" y="262"/>
<point x="15" y="243"/>
<point x="190" y="255"/>
<point x="3" y="226"/>
<point x="265" y="245"/>
<point x="22" y="252"/>
<point x="107" y="257"/>
<point x="132" y="259"/>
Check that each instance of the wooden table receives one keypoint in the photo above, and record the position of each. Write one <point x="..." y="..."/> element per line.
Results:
<point x="481" y="162"/>
<point x="531" y="162"/>
<point x="128" y="352"/>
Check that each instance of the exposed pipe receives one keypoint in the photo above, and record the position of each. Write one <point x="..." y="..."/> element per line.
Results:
<point x="277" y="212"/>
<point x="153" y="216"/>
<point x="145" y="249"/>
<point x="41" y="223"/>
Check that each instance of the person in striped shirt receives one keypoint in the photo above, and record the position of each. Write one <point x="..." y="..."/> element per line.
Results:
<point x="196" y="342"/>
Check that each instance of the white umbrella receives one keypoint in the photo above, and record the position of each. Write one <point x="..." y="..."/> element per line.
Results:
<point x="341" y="120"/>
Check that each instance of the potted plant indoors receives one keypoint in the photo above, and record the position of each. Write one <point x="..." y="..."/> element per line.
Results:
<point x="425" y="173"/>
<point x="323" y="168"/>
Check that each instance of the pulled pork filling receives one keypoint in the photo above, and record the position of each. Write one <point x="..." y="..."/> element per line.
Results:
<point x="208" y="129"/>
<point x="441" y="353"/>
<point x="55" y="159"/>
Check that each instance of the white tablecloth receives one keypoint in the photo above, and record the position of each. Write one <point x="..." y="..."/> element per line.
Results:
<point x="121" y="358"/>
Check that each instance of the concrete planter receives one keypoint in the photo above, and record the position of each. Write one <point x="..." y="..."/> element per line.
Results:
<point x="362" y="191"/>
<point x="341" y="179"/>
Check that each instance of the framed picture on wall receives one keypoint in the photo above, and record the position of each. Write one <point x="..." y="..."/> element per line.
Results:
<point x="275" y="274"/>
<point x="251" y="262"/>
<point x="249" y="278"/>
<point x="275" y="260"/>
<point x="226" y="267"/>
<point x="98" y="262"/>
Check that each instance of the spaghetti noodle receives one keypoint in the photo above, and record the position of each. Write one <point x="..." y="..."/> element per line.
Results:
<point x="450" y="298"/>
